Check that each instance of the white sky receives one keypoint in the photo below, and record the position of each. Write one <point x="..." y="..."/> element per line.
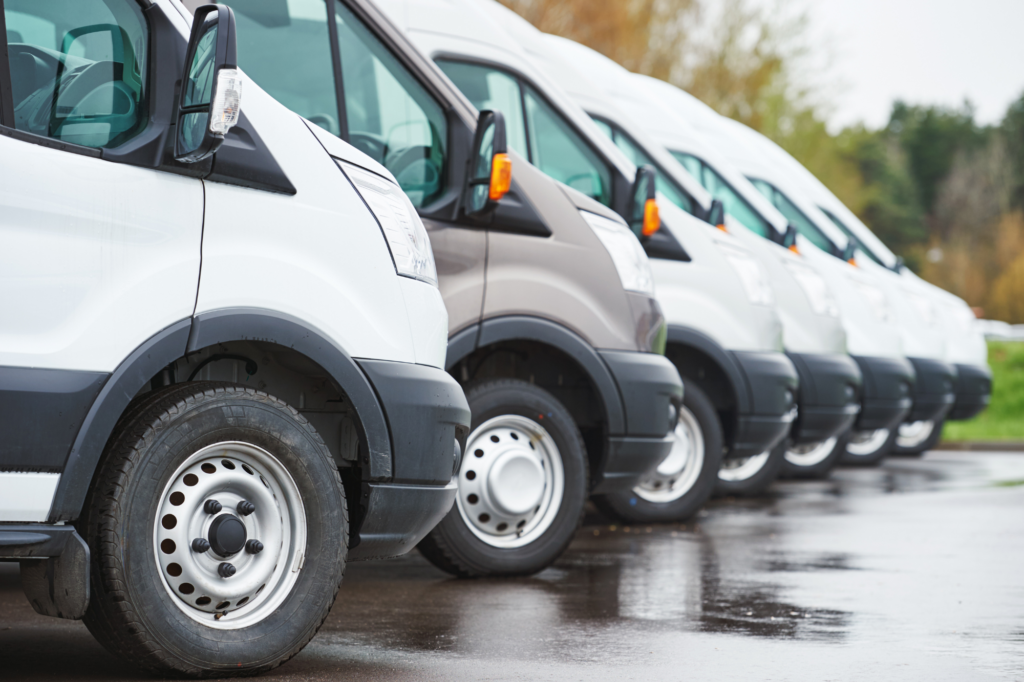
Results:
<point x="921" y="51"/>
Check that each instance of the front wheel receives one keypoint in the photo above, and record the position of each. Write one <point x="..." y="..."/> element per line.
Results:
<point x="685" y="480"/>
<point x="522" y="485"/>
<point x="217" y="528"/>
<point x="868" y="448"/>
<point x="750" y="476"/>
<point x="814" y="460"/>
<point x="915" y="438"/>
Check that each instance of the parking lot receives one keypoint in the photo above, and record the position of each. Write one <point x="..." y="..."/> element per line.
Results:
<point x="910" y="571"/>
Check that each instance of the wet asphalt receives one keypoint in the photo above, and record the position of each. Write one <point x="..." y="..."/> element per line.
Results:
<point x="912" y="571"/>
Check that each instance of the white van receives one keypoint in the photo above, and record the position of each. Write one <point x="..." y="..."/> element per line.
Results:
<point x="923" y="331"/>
<point x="963" y="339"/>
<point x="739" y="396"/>
<point x="873" y="334"/>
<point x="813" y="336"/>
<point x="221" y="360"/>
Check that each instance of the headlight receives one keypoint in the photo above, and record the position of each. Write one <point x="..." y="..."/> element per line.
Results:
<point x="627" y="254"/>
<point x="403" y="230"/>
<point x="817" y="292"/>
<point x="878" y="302"/>
<point x="751" y="274"/>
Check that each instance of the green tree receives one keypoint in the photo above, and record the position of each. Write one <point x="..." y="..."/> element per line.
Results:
<point x="1013" y="135"/>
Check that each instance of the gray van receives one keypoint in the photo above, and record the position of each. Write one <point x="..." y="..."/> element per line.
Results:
<point x="554" y="331"/>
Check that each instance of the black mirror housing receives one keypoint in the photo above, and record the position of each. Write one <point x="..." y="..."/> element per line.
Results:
<point x="210" y="97"/>
<point x="716" y="213"/>
<point x="789" y="238"/>
<point x="490" y="169"/>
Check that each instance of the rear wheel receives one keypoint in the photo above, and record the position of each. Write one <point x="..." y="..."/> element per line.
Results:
<point x="814" y="460"/>
<point x="685" y="480"/>
<point x="868" y="448"/>
<point x="750" y="476"/>
<point x="915" y="438"/>
<point x="522" y="485"/>
<point x="217" y="529"/>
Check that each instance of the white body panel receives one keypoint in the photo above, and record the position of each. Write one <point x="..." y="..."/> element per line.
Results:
<point x="101" y="255"/>
<point x="319" y="255"/>
<point x="26" y="497"/>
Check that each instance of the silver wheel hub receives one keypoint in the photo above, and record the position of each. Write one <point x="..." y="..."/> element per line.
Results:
<point x="743" y="468"/>
<point x="230" y="535"/>
<point x="912" y="434"/>
<point x="864" y="443"/>
<point x="511" y="482"/>
<point x="810" y="454"/>
<point x="678" y="472"/>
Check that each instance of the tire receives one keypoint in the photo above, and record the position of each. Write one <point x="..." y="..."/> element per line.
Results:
<point x="815" y="461"/>
<point x="674" y="493"/>
<point x="868" y="449"/>
<point x="750" y="477"/>
<point x="921" y="442"/>
<point x="479" y="536"/>
<point x="228" y="443"/>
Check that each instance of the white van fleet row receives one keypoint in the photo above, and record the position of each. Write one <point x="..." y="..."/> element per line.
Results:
<point x="221" y="361"/>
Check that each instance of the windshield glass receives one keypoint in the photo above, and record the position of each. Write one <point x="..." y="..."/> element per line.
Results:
<point x="795" y="216"/>
<point x="860" y="247"/>
<point x="734" y="204"/>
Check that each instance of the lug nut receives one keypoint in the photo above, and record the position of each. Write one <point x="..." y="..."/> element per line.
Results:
<point x="200" y="545"/>
<point x="226" y="570"/>
<point x="245" y="508"/>
<point x="212" y="506"/>
<point x="253" y="546"/>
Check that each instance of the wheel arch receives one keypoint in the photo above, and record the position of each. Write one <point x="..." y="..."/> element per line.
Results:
<point x="191" y="335"/>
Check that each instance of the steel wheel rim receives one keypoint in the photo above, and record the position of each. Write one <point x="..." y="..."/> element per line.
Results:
<point x="744" y="468"/>
<point x="677" y="473"/>
<point x="864" y="443"/>
<point x="810" y="454"/>
<point x="510" y="489"/>
<point x="913" y="434"/>
<point x="229" y="473"/>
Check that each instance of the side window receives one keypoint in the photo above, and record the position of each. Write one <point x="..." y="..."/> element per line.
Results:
<point x="794" y="215"/>
<point x="78" y="69"/>
<point x="716" y="185"/>
<point x="285" y="48"/>
<point x="640" y="158"/>
<point x="390" y="115"/>
<point x="849" y="233"/>
<point x="489" y="88"/>
<point x="558" y="151"/>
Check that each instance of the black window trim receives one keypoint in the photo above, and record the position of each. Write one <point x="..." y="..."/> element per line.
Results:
<point x="522" y="80"/>
<point x="617" y="130"/>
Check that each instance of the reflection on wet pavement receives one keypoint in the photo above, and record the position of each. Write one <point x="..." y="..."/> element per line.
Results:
<point x="911" y="571"/>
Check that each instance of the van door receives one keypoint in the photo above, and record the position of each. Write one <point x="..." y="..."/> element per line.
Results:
<point x="96" y="257"/>
<point x="379" y="108"/>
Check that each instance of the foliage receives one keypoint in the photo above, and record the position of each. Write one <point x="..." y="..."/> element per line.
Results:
<point x="1002" y="420"/>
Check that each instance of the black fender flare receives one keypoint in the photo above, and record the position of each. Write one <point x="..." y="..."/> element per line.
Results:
<point x="527" y="328"/>
<point x="206" y="329"/>
<point x="687" y="336"/>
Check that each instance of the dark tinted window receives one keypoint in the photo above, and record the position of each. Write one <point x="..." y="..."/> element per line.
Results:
<point x="716" y="185"/>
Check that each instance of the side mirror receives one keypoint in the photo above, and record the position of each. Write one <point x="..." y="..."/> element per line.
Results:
<point x="789" y="238"/>
<point x="716" y="214"/>
<point x="850" y="252"/>
<point x="490" y="176"/>
<point x="211" y="86"/>
<point x="644" y="218"/>
<point x="898" y="267"/>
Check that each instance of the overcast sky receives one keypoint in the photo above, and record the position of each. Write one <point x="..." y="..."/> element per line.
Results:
<point x="921" y="51"/>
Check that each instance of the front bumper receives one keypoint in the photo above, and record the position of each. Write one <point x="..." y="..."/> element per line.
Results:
<point x="887" y="394"/>
<point x="973" y="391"/>
<point x="934" y="390"/>
<point x="428" y="419"/>
<point x="771" y="386"/>
<point x="829" y="395"/>
<point x="651" y="392"/>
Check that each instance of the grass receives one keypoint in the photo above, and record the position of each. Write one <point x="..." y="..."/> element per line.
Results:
<point x="1004" y="418"/>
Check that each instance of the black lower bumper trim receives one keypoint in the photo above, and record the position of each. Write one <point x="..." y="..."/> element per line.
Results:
<point x="934" y="390"/>
<point x="771" y="385"/>
<point x="629" y="459"/>
<point x="398" y="517"/>
<point x="973" y="391"/>
<point x="829" y="395"/>
<point x="887" y="393"/>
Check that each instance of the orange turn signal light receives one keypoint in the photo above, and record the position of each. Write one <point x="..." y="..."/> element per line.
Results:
<point x="853" y="262"/>
<point x="652" y="219"/>
<point x="795" y="250"/>
<point x="721" y="226"/>
<point x="501" y="176"/>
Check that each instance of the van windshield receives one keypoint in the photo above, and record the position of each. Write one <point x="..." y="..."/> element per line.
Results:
<point x="848" y="233"/>
<point x="795" y="216"/>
